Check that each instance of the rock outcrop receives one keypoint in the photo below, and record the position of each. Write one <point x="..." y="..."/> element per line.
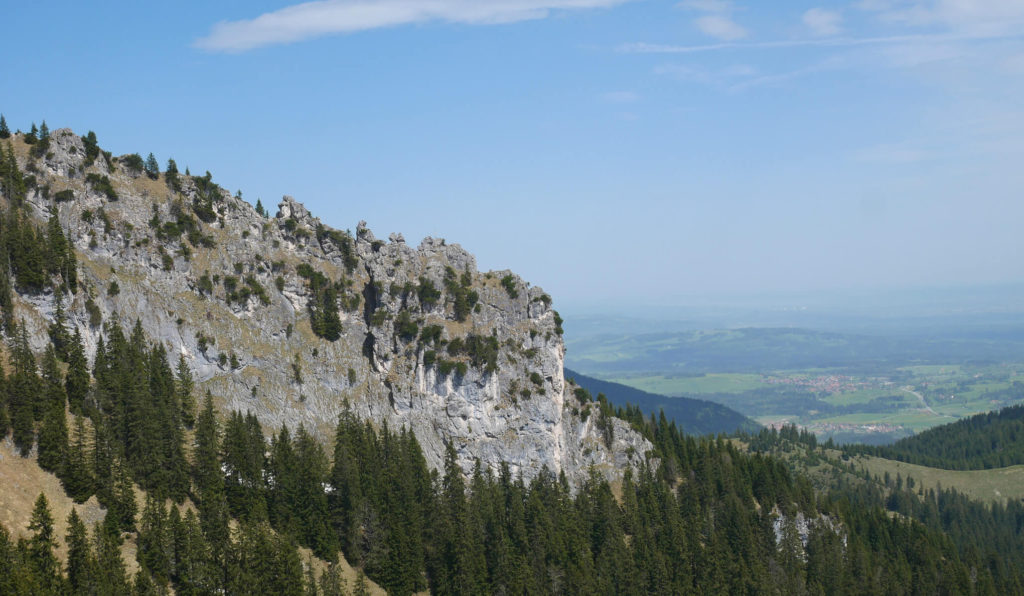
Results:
<point x="291" y="319"/>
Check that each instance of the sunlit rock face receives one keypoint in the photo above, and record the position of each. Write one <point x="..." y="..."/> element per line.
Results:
<point x="418" y="337"/>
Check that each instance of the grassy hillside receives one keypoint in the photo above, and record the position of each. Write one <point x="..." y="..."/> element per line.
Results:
<point x="997" y="484"/>
<point x="23" y="481"/>
<point x="693" y="416"/>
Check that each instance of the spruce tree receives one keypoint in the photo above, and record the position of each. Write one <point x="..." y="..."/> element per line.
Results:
<point x="346" y="498"/>
<point x="53" y="442"/>
<point x="171" y="176"/>
<point x="209" y="480"/>
<point x="58" y="331"/>
<point x="60" y="259"/>
<point x="460" y="573"/>
<point x="111" y="575"/>
<point x="42" y="544"/>
<point x="144" y="585"/>
<point x="76" y="382"/>
<point x="197" y="569"/>
<point x="80" y="565"/>
<point x="155" y="542"/>
<point x="53" y="397"/>
<point x="103" y="464"/>
<point x="5" y="132"/>
<point x="184" y="386"/>
<point x="43" y="144"/>
<point x="12" y="578"/>
<point x="206" y="473"/>
<point x="260" y="209"/>
<point x="6" y="291"/>
<point x="283" y="479"/>
<point x="24" y="388"/>
<point x="77" y="477"/>
<point x="152" y="167"/>
<point x="791" y="557"/>
<point x="92" y="148"/>
<point x="124" y="506"/>
<point x="243" y="452"/>
<point x="172" y="476"/>
<point x="311" y="505"/>
<point x="332" y="582"/>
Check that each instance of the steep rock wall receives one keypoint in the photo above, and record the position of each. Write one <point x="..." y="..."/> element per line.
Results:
<point x="230" y="289"/>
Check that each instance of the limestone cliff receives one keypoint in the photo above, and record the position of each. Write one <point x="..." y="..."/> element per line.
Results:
<point x="289" y="318"/>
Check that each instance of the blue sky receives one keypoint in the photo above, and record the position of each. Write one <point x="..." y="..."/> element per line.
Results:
<point x="616" y="152"/>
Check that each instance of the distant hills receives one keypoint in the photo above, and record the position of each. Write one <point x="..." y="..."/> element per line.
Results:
<point x="693" y="416"/>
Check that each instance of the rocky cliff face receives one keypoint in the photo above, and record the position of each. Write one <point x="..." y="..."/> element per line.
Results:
<point x="288" y="318"/>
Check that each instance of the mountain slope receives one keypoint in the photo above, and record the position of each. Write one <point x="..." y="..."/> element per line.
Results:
<point x="289" y="318"/>
<point x="693" y="416"/>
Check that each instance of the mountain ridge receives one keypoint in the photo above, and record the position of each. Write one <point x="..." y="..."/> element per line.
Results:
<point x="289" y="318"/>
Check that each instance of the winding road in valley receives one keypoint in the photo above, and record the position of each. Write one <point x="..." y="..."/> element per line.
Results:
<point x="924" y="404"/>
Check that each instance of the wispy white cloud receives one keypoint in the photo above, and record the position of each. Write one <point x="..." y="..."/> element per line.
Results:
<point x="823" y="23"/>
<point x="935" y="56"/>
<point x="326" y="17"/>
<point x="683" y="72"/>
<point x="911" y="55"/>
<point x="720" y="27"/>
<point x="725" y="78"/>
<point x="775" y="79"/>
<point x="652" y="48"/>
<point x="978" y="16"/>
<point x="717" y="21"/>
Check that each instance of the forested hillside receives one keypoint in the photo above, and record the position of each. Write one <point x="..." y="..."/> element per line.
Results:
<point x="991" y="440"/>
<point x="692" y="416"/>
<point x="702" y="517"/>
<point x="991" y="531"/>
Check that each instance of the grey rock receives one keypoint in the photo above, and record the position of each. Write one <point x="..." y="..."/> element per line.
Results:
<point x="496" y="416"/>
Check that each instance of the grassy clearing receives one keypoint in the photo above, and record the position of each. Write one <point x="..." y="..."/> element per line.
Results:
<point x="997" y="484"/>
